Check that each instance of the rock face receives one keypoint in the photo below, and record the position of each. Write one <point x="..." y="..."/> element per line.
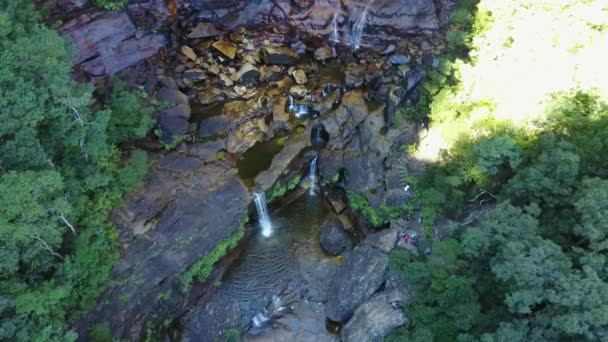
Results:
<point x="108" y="43"/>
<point x="375" y="318"/>
<point x="334" y="239"/>
<point x="397" y="18"/>
<point x="183" y="211"/>
<point x="359" y="278"/>
<point x="221" y="314"/>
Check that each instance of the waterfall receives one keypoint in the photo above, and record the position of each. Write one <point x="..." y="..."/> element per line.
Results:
<point x="263" y="216"/>
<point x="335" y="35"/>
<point x="312" y="175"/>
<point x="356" y="32"/>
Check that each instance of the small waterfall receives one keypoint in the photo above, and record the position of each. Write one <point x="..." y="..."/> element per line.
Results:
<point x="312" y="175"/>
<point x="335" y="35"/>
<point x="356" y="32"/>
<point x="263" y="216"/>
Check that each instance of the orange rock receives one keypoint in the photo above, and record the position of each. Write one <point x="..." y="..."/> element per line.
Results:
<point x="225" y="48"/>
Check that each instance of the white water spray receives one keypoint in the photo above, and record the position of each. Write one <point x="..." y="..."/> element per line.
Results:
<point x="335" y="35"/>
<point x="263" y="216"/>
<point x="356" y="32"/>
<point x="312" y="175"/>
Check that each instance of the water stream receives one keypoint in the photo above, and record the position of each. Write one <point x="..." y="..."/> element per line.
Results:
<point x="263" y="216"/>
<point x="312" y="175"/>
<point x="335" y="35"/>
<point x="357" y="27"/>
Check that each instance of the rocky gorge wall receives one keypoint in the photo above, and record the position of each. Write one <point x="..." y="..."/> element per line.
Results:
<point x="254" y="64"/>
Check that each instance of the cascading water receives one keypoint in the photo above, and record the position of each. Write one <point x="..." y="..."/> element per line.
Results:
<point x="335" y="35"/>
<point x="312" y="175"/>
<point x="356" y="32"/>
<point x="263" y="216"/>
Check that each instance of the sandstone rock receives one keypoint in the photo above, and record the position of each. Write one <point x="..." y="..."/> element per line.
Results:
<point x="207" y="152"/>
<point x="334" y="239"/>
<point x="293" y="147"/>
<point x="107" y="44"/>
<point x="204" y="30"/>
<point x="354" y="75"/>
<point x="247" y="74"/>
<point x="323" y="53"/>
<point x="298" y="91"/>
<point x="211" y="95"/>
<point x="361" y="276"/>
<point x="188" y="52"/>
<point x="226" y="81"/>
<point x="213" y="126"/>
<point x="227" y="49"/>
<point x="384" y="240"/>
<point x="375" y="318"/>
<point x="279" y="56"/>
<point x="300" y="76"/>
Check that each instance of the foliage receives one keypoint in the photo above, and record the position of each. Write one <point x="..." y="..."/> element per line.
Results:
<point x="60" y="175"/>
<point x="100" y="333"/>
<point x="233" y="335"/>
<point x="360" y="204"/>
<point x="203" y="268"/>
<point x="110" y="4"/>
<point x="130" y="119"/>
<point x="293" y="183"/>
<point x="278" y="191"/>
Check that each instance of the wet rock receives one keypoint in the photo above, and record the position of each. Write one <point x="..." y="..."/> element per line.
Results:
<point x="195" y="75"/>
<point x="243" y="136"/>
<point x="220" y="314"/>
<point x="270" y="72"/>
<point x="389" y="49"/>
<point x="354" y="75"/>
<point x="188" y="52"/>
<point x="172" y="126"/>
<point x="227" y="49"/>
<point x="300" y="76"/>
<point x="179" y="111"/>
<point x="204" y="30"/>
<point x="280" y="162"/>
<point x="414" y="77"/>
<point x="107" y="44"/>
<point x="399" y="59"/>
<point x="356" y="281"/>
<point x="279" y="56"/>
<point x="319" y="136"/>
<point x="375" y="318"/>
<point x="334" y="239"/>
<point x="305" y="323"/>
<point x="213" y="126"/>
<point x="323" y="53"/>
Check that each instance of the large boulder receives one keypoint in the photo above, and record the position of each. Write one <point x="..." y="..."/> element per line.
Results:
<point x="375" y="318"/>
<point x="108" y="44"/>
<point x="361" y="276"/>
<point x="334" y="239"/>
<point x="179" y="216"/>
<point x="220" y="314"/>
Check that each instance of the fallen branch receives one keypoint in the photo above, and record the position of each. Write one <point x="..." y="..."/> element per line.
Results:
<point x="67" y="223"/>
<point x="46" y="246"/>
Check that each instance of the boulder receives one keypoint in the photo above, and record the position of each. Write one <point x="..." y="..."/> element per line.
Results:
<point x="300" y="76"/>
<point x="384" y="240"/>
<point x="375" y="318"/>
<point x="207" y="151"/>
<point x="204" y="30"/>
<point x="108" y="44"/>
<point x="399" y="59"/>
<point x="361" y="276"/>
<point x="211" y="323"/>
<point x="227" y="49"/>
<point x="323" y="53"/>
<point x="248" y="74"/>
<point x="279" y="56"/>
<point x="213" y="126"/>
<point x="334" y="239"/>
<point x="172" y="96"/>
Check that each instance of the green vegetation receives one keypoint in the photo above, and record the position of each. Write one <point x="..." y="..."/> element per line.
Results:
<point x="100" y="333"/>
<point x="523" y="172"/>
<point x="377" y="217"/>
<point x="110" y="4"/>
<point x="203" y="268"/>
<point x="277" y="191"/>
<point x="294" y="182"/>
<point x="60" y="175"/>
<point x="233" y="335"/>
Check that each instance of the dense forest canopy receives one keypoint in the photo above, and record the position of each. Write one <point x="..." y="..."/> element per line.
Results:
<point x="519" y="126"/>
<point x="60" y="174"/>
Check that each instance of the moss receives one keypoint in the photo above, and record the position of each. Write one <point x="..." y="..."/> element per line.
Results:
<point x="233" y="335"/>
<point x="124" y="298"/>
<point x="163" y="296"/>
<point x="203" y="268"/>
<point x="360" y="204"/>
<point x="100" y="333"/>
<point x="278" y="191"/>
<point x="294" y="183"/>
<point x="110" y="4"/>
<point x="221" y="155"/>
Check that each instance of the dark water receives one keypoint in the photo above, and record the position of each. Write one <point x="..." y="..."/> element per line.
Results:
<point x="267" y="263"/>
<point x="200" y="112"/>
<point x="259" y="157"/>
